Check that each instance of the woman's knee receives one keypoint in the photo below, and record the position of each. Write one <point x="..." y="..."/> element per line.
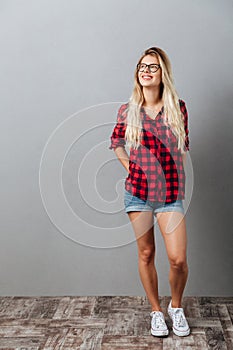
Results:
<point x="179" y="263"/>
<point x="147" y="255"/>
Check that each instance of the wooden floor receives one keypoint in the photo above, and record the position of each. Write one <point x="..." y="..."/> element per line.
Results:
<point x="110" y="323"/>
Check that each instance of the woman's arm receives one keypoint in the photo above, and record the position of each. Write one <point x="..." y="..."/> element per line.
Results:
<point x="123" y="157"/>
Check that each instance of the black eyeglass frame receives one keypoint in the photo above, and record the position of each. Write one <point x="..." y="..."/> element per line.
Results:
<point x="149" y="67"/>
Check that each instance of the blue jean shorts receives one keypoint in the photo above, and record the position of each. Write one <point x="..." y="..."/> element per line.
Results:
<point x="133" y="203"/>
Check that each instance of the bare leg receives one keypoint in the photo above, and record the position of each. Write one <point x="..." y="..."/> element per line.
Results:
<point x="173" y="228"/>
<point x="143" y="225"/>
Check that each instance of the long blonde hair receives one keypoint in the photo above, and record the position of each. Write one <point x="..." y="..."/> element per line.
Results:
<point x="172" y="112"/>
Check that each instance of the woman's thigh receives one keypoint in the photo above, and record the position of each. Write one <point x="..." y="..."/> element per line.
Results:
<point x="143" y="226"/>
<point x="173" y="228"/>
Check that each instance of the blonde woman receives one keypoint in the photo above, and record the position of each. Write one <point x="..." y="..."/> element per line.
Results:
<point x="154" y="124"/>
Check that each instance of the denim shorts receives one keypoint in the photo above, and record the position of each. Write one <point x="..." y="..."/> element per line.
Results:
<point x="133" y="203"/>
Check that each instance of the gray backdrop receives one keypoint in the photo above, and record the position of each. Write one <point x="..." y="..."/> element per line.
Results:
<point x="62" y="57"/>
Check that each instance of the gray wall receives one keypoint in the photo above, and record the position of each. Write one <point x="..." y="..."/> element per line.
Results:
<point x="63" y="57"/>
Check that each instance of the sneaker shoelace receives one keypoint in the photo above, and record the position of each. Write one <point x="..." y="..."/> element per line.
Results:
<point x="158" y="320"/>
<point x="179" y="318"/>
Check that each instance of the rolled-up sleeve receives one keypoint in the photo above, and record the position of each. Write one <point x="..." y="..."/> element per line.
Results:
<point x="118" y="135"/>
<point x="185" y="113"/>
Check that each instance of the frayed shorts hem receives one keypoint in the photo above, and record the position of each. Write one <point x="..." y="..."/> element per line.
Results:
<point x="133" y="203"/>
<point x="158" y="210"/>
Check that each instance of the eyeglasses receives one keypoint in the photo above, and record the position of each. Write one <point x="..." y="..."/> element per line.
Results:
<point x="152" y="67"/>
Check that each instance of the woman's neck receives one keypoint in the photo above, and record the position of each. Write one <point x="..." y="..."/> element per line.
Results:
<point x="152" y="98"/>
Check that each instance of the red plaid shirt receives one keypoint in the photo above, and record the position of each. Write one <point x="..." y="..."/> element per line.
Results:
<point x="156" y="171"/>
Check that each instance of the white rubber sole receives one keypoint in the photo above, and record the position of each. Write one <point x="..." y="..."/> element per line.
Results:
<point x="179" y="333"/>
<point x="159" y="333"/>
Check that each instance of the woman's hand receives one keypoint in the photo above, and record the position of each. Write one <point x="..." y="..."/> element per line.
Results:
<point x="123" y="157"/>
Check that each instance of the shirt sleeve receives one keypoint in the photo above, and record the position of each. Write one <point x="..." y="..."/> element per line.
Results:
<point x="118" y="135"/>
<point x="185" y="113"/>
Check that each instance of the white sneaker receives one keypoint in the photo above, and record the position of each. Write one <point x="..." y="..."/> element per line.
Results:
<point x="158" y="324"/>
<point x="180" y="325"/>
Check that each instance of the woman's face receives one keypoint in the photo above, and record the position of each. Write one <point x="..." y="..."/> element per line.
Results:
<point x="148" y="78"/>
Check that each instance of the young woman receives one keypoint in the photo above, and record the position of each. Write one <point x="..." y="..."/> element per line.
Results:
<point x="154" y="123"/>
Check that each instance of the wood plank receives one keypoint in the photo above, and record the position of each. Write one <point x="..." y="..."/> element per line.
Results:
<point x="175" y="342"/>
<point x="215" y="300"/>
<point x="44" y="307"/>
<point x="215" y="338"/>
<point x="105" y="304"/>
<point x="120" y="342"/>
<point x="82" y="339"/>
<point x="54" y="323"/>
<point x="24" y="343"/>
<point x="214" y="310"/>
<point x="227" y="329"/>
<point x="127" y="322"/>
<point x="16" y="307"/>
<point x="230" y="311"/>
<point x="204" y="322"/>
<point x="73" y="307"/>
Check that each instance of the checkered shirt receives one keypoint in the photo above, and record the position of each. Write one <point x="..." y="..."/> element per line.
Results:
<point x="156" y="171"/>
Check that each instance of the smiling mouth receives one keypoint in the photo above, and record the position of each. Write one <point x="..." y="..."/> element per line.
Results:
<point x="146" y="77"/>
